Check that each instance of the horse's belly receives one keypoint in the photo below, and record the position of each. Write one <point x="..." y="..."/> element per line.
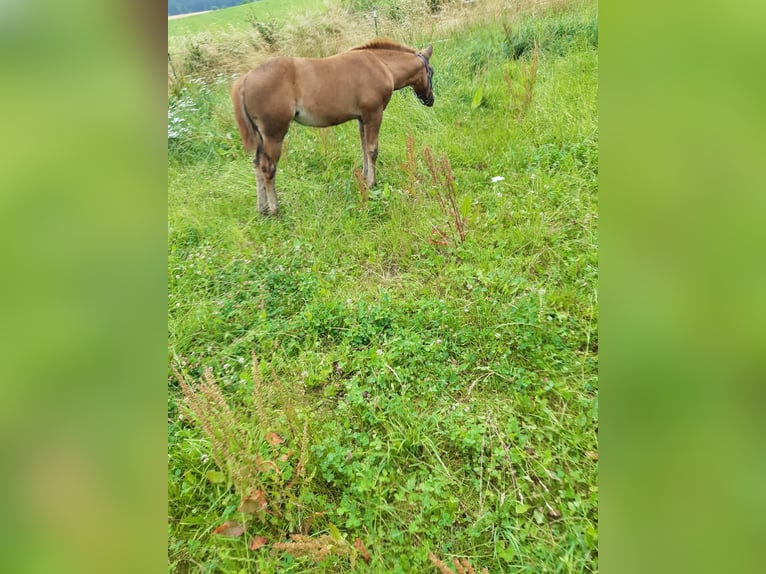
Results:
<point x="317" y="119"/>
<point x="309" y="120"/>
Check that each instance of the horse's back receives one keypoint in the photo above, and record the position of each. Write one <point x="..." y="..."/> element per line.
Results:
<point x="340" y="88"/>
<point x="317" y="92"/>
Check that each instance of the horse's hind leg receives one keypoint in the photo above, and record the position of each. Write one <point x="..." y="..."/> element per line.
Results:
<point x="267" y="160"/>
<point x="262" y="203"/>
<point x="370" y="130"/>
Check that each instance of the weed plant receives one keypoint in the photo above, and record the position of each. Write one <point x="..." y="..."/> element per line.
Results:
<point x="418" y="404"/>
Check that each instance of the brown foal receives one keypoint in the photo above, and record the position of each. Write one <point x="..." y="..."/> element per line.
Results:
<point x="323" y="92"/>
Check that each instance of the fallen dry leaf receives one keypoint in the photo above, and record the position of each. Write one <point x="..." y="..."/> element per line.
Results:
<point x="230" y="528"/>
<point x="257" y="542"/>
<point x="437" y="241"/>
<point x="274" y="439"/>
<point x="359" y="545"/>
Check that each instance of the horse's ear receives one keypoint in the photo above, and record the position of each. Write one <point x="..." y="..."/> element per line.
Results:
<point x="428" y="51"/>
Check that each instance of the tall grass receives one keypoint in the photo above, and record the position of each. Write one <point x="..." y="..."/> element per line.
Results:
<point x="416" y="398"/>
<point x="232" y="40"/>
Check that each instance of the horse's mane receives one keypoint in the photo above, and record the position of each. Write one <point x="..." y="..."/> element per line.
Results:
<point x="384" y="44"/>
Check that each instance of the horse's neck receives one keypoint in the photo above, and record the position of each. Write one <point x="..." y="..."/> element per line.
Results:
<point x="403" y="65"/>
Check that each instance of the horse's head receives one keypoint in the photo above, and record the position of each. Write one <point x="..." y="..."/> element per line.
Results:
<point x="422" y="85"/>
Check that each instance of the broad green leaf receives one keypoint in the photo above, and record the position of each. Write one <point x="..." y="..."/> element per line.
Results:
<point x="477" y="97"/>
<point x="522" y="508"/>
<point x="215" y="476"/>
<point x="506" y="553"/>
<point x="334" y="532"/>
<point x="465" y="206"/>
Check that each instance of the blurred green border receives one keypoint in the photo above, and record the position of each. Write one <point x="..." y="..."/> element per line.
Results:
<point x="682" y="150"/>
<point x="83" y="335"/>
<point x="682" y="283"/>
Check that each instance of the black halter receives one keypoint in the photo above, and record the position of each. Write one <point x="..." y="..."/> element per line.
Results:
<point x="428" y="99"/>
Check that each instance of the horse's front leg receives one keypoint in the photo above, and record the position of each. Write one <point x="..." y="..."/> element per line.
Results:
<point x="370" y="144"/>
<point x="364" y="150"/>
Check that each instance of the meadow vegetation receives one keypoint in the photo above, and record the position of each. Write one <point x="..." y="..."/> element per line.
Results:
<point x="397" y="379"/>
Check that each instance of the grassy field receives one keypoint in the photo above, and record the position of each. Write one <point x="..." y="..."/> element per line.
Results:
<point x="237" y="16"/>
<point x="355" y="372"/>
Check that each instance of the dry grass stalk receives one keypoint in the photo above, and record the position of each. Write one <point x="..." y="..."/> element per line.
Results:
<point x="300" y="468"/>
<point x="462" y="566"/>
<point x="208" y="406"/>
<point x="317" y="548"/>
<point x="244" y="447"/>
<point x="445" y="192"/>
<point x="430" y="159"/>
<point x="232" y="435"/>
<point x="530" y="77"/>
<point x="521" y="93"/>
<point x="259" y="394"/>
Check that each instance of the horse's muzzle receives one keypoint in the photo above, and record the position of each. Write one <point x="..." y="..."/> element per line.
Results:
<point x="426" y="100"/>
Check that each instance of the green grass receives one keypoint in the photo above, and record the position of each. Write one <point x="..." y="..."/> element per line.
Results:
<point x="450" y="391"/>
<point x="238" y="16"/>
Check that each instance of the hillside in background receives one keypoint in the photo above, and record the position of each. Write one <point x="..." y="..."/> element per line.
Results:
<point x="188" y="6"/>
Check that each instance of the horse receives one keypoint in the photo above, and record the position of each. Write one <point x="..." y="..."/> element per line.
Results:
<point x="323" y="92"/>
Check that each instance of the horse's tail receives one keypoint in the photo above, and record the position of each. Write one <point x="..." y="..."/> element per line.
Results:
<point x="247" y="129"/>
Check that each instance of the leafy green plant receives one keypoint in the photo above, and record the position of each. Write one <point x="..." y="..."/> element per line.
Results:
<point x="268" y="30"/>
